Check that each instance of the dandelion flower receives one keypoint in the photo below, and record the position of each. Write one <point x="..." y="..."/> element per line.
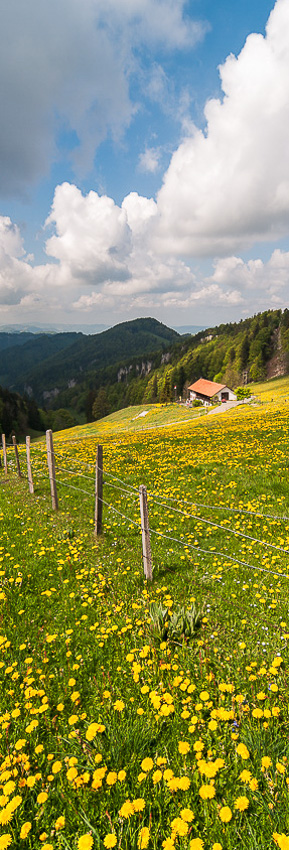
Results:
<point x="85" y="842"/>
<point x="110" y="840"/>
<point x="282" y="840"/>
<point x="280" y="767"/>
<point x="143" y="838"/>
<point x="184" y="783"/>
<point x="184" y="747"/>
<point x="243" y="751"/>
<point x="138" y="804"/>
<point x="168" y="844"/>
<point x="147" y="764"/>
<point x="241" y="804"/>
<point x="179" y="827"/>
<point x="42" y="797"/>
<point x="225" y="814"/>
<point x="207" y="792"/>
<point x="111" y="777"/>
<point x="5" y="841"/>
<point x="56" y="767"/>
<point x="196" y="844"/>
<point x="245" y="776"/>
<point x="71" y="774"/>
<point x="119" y="705"/>
<point x="25" y="829"/>
<point x="187" y="815"/>
<point x="126" y="810"/>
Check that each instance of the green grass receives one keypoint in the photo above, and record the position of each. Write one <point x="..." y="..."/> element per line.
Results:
<point x="79" y="645"/>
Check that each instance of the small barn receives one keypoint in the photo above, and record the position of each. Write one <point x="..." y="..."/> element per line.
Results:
<point x="207" y="390"/>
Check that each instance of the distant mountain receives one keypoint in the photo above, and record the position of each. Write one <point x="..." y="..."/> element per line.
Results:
<point x="53" y="329"/>
<point x="189" y="329"/>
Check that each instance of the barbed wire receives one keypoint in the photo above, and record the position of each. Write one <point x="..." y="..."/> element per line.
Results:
<point x="226" y="508"/>
<point x="222" y="527"/>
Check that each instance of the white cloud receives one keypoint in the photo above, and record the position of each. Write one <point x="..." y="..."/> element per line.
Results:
<point x="149" y="160"/>
<point x="270" y="280"/>
<point x="228" y="186"/>
<point x="92" y="237"/>
<point x="68" y="65"/>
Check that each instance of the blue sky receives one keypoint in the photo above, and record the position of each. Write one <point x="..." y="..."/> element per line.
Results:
<point x="144" y="166"/>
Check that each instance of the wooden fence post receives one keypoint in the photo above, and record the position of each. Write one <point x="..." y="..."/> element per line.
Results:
<point x="29" y="470"/>
<point x="51" y="469"/>
<point x="98" y="491"/>
<point x="146" y="544"/>
<point x="4" y="454"/>
<point x="16" y="456"/>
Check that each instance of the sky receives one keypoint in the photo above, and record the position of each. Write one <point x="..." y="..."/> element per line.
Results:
<point x="144" y="166"/>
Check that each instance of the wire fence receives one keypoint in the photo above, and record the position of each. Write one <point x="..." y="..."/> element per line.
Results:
<point x="130" y="495"/>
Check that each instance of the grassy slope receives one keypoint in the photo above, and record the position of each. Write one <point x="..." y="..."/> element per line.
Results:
<point x="132" y="419"/>
<point x="78" y="647"/>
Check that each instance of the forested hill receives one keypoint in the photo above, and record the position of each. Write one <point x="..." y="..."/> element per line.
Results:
<point x="54" y="362"/>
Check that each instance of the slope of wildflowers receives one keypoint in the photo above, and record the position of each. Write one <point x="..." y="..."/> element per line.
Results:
<point x="113" y="734"/>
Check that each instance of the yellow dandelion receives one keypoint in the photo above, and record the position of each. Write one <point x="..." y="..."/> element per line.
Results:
<point x="60" y="823"/>
<point x="42" y="797"/>
<point x="143" y="838"/>
<point x="119" y="705"/>
<point x="147" y="764"/>
<point x="5" y="841"/>
<point x="187" y="815"/>
<point x="243" y="751"/>
<point x="85" y="842"/>
<point x="184" y="747"/>
<point x="225" y="814"/>
<point x="207" y="792"/>
<point x="25" y="829"/>
<point x="241" y="804"/>
<point x="110" y="840"/>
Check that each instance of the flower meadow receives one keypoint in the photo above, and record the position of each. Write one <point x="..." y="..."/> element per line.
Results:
<point x="113" y="734"/>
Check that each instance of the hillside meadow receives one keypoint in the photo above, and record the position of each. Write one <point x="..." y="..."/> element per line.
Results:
<point x="139" y="715"/>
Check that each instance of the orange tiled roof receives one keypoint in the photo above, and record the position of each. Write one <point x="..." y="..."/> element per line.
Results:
<point x="208" y="388"/>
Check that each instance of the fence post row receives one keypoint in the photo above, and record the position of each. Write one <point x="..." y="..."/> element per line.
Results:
<point x="29" y="470"/>
<point x="145" y="531"/>
<point x="51" y="469"/>
<point x="98" y="491"/>
<point x="146" y="545"/>
<point x="4" y="454"/>
<point x="16" y="456"/>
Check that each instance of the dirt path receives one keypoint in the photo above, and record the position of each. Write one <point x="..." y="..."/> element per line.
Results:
<point x="226" y="405"/>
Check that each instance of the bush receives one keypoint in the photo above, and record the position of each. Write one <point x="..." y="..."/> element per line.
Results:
<point x="243" y="392"/>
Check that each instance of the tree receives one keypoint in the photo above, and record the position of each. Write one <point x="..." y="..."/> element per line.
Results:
<point x="101" y="405"/>
<point x="166" y="391"/>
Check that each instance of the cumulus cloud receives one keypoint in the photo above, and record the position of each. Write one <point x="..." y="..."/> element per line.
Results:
<point x="270" y="279"/>
<point x="228" y="186"/>
<point x="92" y="237"/>
<point x="67" y="66"/>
